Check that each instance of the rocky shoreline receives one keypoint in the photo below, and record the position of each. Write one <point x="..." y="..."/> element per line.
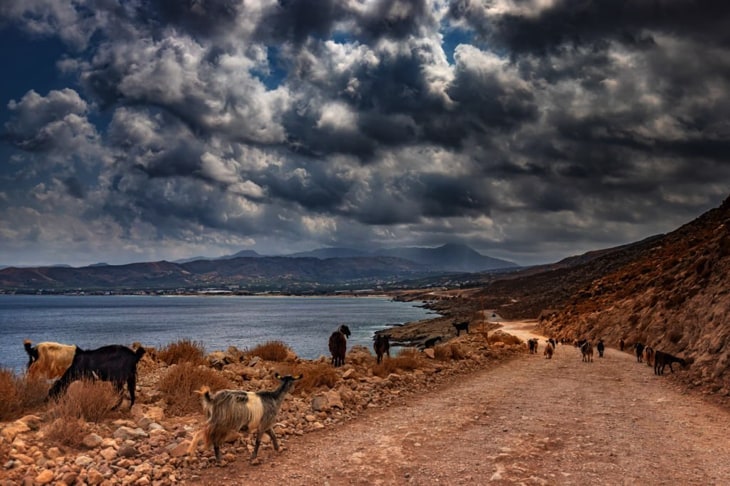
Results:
<point x="148" y="444"/>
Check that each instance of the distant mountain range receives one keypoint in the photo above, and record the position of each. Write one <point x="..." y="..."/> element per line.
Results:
<point x="318" y="271"/>
<point x="449" y="258"/>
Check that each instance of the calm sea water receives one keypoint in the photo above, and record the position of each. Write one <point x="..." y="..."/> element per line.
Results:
<point x="304" y="323"/>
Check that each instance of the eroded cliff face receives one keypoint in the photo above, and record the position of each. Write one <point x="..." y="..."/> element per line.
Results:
<point x="675" y="297"/>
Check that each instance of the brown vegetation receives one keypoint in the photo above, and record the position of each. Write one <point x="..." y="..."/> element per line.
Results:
<point x="272" y="351"/>
<point x="179" y="384"/>
<point x="20" y="394"/>
<point x="183" y="351"/>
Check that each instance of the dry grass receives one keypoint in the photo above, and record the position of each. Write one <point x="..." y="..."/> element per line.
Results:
<point x="183" y="351"/>
<point x="8" y="390"/>
<point x="271" y="351"/>
<point x="315" y="375"/>
<point x="448" y="352"/>
<point x="408" y="359"/>
<point x="20" y="394"/>
<point x="182" y="381"/>
<point x="89" y="400"/>
<point x="68" y="432"/>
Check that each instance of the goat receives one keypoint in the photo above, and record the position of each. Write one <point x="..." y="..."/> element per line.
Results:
<point x="237" y="410"/>
<point x="549" y="349"/>
<point x="381" y="345"/>
<point x="48" y="359"/>
<point x="661" y="359"/>
<point x="600" y="347"/>
<point x="338" y="345"/>
<point x="114" y="363"/>
<point x="621" y="344"/>
<point x="532" y="345"/>
<point x="461" y="326"/>
<point x="430" y="342"/>
<point x="648" y="355"/>
<point x="639" y="348"/>
<point x="586" y="351"/>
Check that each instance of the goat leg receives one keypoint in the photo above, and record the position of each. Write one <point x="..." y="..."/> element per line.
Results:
<point x="270" y="433"/>
<point x="256" y="446"/>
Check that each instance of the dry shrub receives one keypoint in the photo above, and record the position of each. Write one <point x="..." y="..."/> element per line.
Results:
<point x="448" y="352"/>
<point x="92" y="401"/>
<point x="408" y="359"/>
<point x="9" y="404"/>
<point x="183" y="351"/>
<point x="272" y="351"/>
<point x="67" y="431"/>
<point x="182" y="381"/>
<point x="315" y="375"/>
<point x="504" y="337"/>
<point x="20" y="394"/>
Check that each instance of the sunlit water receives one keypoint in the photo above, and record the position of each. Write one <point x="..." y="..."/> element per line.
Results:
<point x="303" y="323"/>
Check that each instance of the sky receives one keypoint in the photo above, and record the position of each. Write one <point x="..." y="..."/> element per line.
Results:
<point x="530" y="130"/>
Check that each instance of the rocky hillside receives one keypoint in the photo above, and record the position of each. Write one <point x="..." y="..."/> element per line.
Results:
<point x="672" y="295"/>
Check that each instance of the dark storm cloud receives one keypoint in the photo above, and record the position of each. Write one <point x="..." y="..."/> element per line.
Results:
<point x="199" y="17"/>
<point x="296" y="20"/>
<point x="396" y="19"/>
<point x="527" y="127"/>
<point x="579" y="22"/>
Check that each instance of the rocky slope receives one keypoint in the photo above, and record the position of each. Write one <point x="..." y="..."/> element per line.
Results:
<point x="673" y="296"/>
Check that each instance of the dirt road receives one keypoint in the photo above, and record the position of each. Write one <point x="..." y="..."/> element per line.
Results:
<point x="528" y="421"/>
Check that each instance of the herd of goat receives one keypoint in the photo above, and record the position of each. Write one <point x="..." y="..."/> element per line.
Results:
<point x="644" y="354"/>
<point x="230" y="411"/>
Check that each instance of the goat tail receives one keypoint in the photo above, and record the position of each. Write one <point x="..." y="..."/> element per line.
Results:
<point x="204" y="393"/>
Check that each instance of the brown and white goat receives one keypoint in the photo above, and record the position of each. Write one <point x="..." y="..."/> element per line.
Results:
<point x="48" y="359"/>
<point x="648" y="355"/>
<point x="549" y="350"/>
<point x="237" y="410"/>
<point x="586" y="351"/>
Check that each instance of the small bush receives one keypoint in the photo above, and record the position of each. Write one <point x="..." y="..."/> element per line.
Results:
<point x="448" y="352"/>
<point x="182" y="381"/>
<point x="408" y="359"/>
<point x="315" y="375"/>
<point x="183" y="351"/>
<point x="85" y="399"/>
<point x="20" y="394"/>
<point x="66" y="431"/>
<point x="9" y="405"/>
<point x="272" y="351"/>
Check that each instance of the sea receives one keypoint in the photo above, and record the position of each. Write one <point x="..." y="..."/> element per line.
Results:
<point x="216" y="322"/>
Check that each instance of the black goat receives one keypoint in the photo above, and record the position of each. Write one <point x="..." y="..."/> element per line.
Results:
<point x="532" y="345"/>
<point x="601" y="348"/>
<point x="431" y="342"/>
<point x="662" y="359"/>
<point x="639" y="348"/>
<point x="114" y="363"/>
<point x="381" y="345"/>
<point x="338" y="345"/>
<point x="461" y="326"/>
